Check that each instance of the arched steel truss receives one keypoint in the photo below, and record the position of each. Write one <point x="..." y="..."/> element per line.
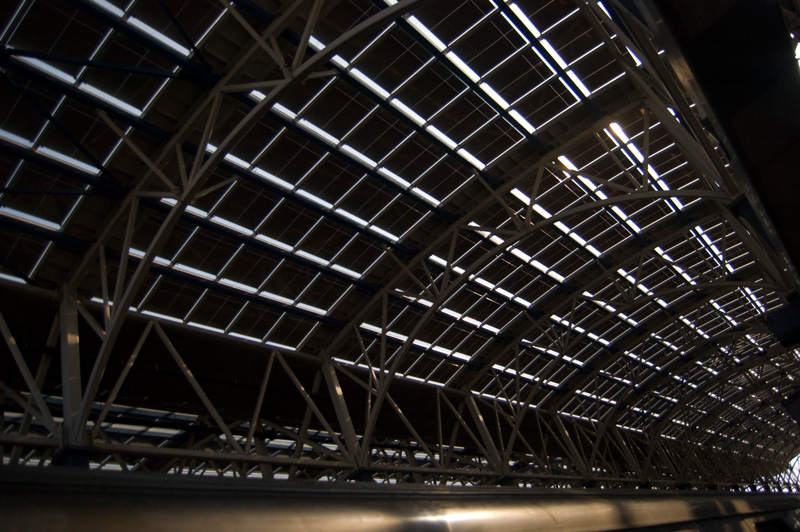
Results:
<point x="601" y="380"/>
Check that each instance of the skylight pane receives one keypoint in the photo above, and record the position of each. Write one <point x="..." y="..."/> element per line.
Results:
<point x="429" y="36"/>
<point x="15" y="139"/>
<point x="113" y="100"/>
<point x="136" y="23"/>
<point x="463" y="67"/>
<point x="352" y="217"/>
<point x="474" y="161"/>
<point x="406" y="110"/>
<point x="360" y="156"/>
<point x="322" y="134"/>
<point x="424" y="195"/>
<point x="371" y="85"/>
<point x="447" y="141"/>
<point x="313" y="198"/>
<point x="552" y="51"/>
<point x="29" y="218"/>
<point x="525" y="20"/>
<point x="66" y="159"/>
<point x="394" y="177"/>
<point x="272" y="179"/>
<point x="521" y="120"/>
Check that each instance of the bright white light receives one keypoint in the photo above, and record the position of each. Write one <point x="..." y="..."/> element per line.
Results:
<point x="429" y="36"/>
<point x="113" y="100"/>
<point x="593" y="250"/>
<point x="634" y="56"/>
<point x="374" y="87"/>
<point x="566" y="162"/>
<point x="272" y="179"/>
<point x="276" y="298"/>
<point x="577" y="238"/>
<point x="194" y="271"/>
<point x="394" y="177"/>
<point x="577" y="81"/>
<point x="462" y="66"/>
<point x="314" y="198"/>
<point x="29" y="218"/>
<point x="340" y="62"/>
<point x="347" y="271"/>
<point x="471" y="158"/>
<point x="280" y="109"/>
<point x="238" y="285"/>
<point x="425" y="196"/>
<point x="522" y="121"/>
<point x="48" y="69"/>
<point x="12" y="278"/>
<point x="321" y="133"/>
<point x="619" y="132"/>
<point x="541" y="211"/>
<point x="553" y="53"/>
<point x="311" y="257"/>
<point x="108" y="6"/>
<point x="310" y="308"/>
<point x="315" y="43"/>
<point x="66" y="159"/>
<point x="231" y="225"/>
<point x="521" y="255"/>
<point x="15" y="139"/>
<point x="358" y="155"/>
<point x="499" y="100"/>
<point x="352" y="217"/>
<point x="525" y="20"/>
<point x="562" y="227"/>
<point x="447" y="141"/>
<point x="237" y="161"/>
<point x="406" y="110"/>
<point x="517" y="193"/>
<point x="383" y="233"/>
<point x="516" y="28"/>
<point x="157" y="35"/>
<point x="161" y="316"/>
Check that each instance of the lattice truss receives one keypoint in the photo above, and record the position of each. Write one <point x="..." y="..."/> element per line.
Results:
<point x="443" y="242"/>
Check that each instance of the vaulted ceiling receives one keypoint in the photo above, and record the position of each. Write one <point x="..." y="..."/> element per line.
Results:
<point x="481" y="241"/>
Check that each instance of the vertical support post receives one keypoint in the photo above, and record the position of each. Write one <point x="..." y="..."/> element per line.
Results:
<point x="493" y="454"/>
<point x="342" y="412"/>
<point x="70" y="371"/>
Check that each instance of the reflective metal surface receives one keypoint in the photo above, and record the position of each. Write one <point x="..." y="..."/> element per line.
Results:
<point x="65" y="500"/>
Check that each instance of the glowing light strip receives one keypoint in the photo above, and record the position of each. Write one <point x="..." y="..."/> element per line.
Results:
<point x="453" y="314"/>
<point x="263" y="238"/>
<point x="196" y="272"/>
<point x="29" y="218"/>
<point x="580" y="330"/>
<point x="527" y="376"/>
<point x="418" y="343"/>
<point x="83" y="87"/>
<point x="544" y="213"/>
<point x="200" y="326"/>
<point x="711" y="248"/>
<point x="524" y="257"/>
<point x="462" y="66"/>
<point x="263" y="174"/>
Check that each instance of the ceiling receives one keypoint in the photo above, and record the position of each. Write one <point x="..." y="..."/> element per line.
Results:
<point x="477" y="242"/>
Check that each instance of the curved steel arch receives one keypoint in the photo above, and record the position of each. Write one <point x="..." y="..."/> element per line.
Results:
<point x="665" y="318"/>
<point x="477" y="264"/>
<point x="578" y="293"/>
<point x="200" y="172"/>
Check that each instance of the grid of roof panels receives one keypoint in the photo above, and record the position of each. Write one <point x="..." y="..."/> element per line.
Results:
<point x="536" y="231"/>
